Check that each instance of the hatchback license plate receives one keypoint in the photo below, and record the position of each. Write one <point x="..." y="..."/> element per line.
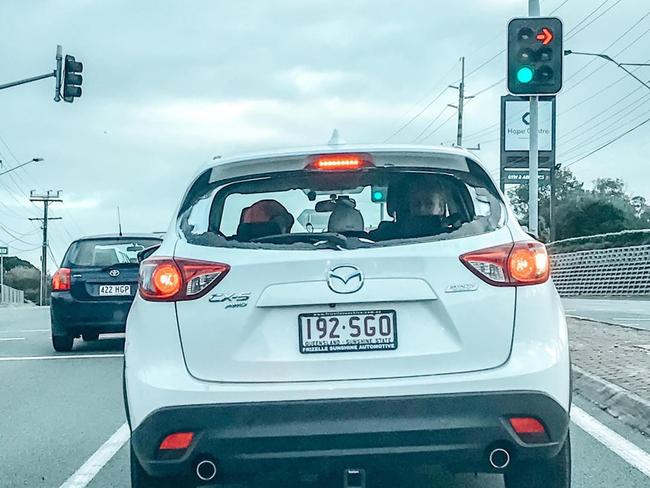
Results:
<point x="114" y="290"/>
<point x="347" y="331"/>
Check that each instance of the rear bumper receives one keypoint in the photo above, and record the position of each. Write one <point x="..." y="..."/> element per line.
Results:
<point x="71" y="316"/>
<point x="318" y="436"/>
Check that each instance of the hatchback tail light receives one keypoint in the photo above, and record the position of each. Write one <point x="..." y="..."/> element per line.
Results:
<point x="171" y="280"/>
<point x="61" y="280"/>
<point x="518" y="264"/>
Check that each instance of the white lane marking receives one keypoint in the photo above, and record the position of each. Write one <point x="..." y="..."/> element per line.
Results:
<point x="12" y="338"/>
<point x="71" y="356"/>
<point x="23" y="330"/>
<point x="629" y="318"/>
<point x="630" y="453"/>
<point x="98" y="460"/>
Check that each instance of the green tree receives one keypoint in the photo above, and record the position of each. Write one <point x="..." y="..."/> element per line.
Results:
<point x="579" y="212"/>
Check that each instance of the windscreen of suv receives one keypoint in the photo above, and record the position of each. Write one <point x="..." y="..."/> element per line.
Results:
<point x="106" y="252"/>
<point x="311" y="210"/>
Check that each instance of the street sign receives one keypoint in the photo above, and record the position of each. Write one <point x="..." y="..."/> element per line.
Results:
<point x="521" y="176"/>
<point x="517" y="125"/>
<point x="515" y="133"/>
<point x="4" y="251"/>
<point x="535" y="56"/>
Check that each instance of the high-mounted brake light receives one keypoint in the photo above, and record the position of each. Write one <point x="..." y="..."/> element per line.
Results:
<point x="518" y="264"/>
<point x="61" y="280"/>
<point x="340" y="162"/>
<point x="167" y="279"/>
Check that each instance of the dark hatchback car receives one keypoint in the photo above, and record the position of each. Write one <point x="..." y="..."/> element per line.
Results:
<point x="93" y="290"/>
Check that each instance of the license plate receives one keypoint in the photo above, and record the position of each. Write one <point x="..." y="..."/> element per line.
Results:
<point x="371" y="330"/>
<point x="114" y="290"/>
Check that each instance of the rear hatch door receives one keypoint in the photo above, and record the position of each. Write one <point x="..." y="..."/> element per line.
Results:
<point x="418" y="311"/>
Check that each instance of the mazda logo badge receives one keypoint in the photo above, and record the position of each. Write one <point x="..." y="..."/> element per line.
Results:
<point x="114" y="272"/>
<point x="345" y="279"/>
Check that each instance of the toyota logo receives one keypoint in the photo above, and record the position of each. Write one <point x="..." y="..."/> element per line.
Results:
<point x="114" y="272"/>
<point x="345" y="279"/>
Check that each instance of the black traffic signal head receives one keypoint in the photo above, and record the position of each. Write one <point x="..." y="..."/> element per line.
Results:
<point x="535" y="56"/>
<point x="378" y="194"/>
<point x="72" y="79"/>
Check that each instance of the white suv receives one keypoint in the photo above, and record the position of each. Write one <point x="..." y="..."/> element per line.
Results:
<point x="344" y="311"/>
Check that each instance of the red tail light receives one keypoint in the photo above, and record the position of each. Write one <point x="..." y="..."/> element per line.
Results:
<point x="172" y="280"/>
<point x="340" y="162"/>
<point x="521" y="263"/>
<point x="61" y="280"/>
<point x="178" y="440"/>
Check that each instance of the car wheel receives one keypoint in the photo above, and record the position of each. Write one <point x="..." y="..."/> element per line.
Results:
<point x="90" y="336"/>
<point x="551" y="473"/>
<point x="62" y="343"/>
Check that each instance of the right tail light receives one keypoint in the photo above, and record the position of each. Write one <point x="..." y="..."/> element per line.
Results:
<point x="518" y="264"/>
<point x="171" y="280"/>
<point x="61" y="280"/>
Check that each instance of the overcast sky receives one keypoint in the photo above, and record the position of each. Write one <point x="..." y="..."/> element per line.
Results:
<point x="170" y="84"/>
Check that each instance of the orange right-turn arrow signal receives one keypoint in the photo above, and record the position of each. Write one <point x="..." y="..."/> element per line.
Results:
<point x="545" y="36"/>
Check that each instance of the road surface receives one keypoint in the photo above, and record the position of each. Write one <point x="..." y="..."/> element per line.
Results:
<point x="624" y="312"/>
<point x="59" y="410"/>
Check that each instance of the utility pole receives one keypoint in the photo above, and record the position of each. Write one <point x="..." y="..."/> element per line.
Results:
<point x="533" y="155"/>
<point x="461" y="102"/>
<point x="46" y="198"/>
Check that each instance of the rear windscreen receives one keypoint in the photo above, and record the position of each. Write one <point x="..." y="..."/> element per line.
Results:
<point x="106" y="252"/>
<point x="347" y="209"/>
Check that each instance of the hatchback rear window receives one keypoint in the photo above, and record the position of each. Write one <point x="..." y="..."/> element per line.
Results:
<point x="106" y="252"/>
<point x="310" y="210"/>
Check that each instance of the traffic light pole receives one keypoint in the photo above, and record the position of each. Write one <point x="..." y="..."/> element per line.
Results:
<point x="533" y="156"/>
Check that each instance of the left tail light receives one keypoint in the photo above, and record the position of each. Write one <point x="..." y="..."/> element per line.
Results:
<point x="518" y="264"/>
<point x="172" y="280"/>
<point x="61" y="280"/>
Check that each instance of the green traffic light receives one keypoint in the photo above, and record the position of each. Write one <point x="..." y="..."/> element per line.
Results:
<point x="525" y="74"/>
<point x="377" y="196"/>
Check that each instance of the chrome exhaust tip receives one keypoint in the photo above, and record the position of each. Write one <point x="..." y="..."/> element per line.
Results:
<point x="499" y="458"/>
<point x="206" y="470"/>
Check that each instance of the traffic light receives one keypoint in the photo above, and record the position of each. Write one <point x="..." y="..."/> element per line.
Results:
<point x="72" y="79"/>
<point x="535" y="56"/>
<point x="378" y="194"/>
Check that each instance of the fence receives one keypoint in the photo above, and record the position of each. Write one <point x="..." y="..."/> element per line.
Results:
<point x="11" y="295"/>
<point x="622" y="271"/>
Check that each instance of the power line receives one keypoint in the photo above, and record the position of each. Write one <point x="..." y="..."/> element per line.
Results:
<point x="435" y="119"/>
<point x="585" y="19"/>
<point x="627" y="31"/>
<point x="575" y="33"/>
<point x="412" y="119"/>
<point x="598" y="135"/>
<point x="558" y="7"/>
<point x="612" y="141"/>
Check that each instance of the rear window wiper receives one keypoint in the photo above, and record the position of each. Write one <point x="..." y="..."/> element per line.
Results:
<point x="317" y="239"/>
<point x="118" y="265"/>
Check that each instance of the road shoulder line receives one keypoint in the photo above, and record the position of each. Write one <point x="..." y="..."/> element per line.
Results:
<point x="629" y="452"/>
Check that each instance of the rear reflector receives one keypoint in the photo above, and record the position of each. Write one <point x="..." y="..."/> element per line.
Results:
<point x="527" y="425"/>
<point x="340" y="162"/>
<point x="529" y="429"/>
<point x="178" y="440"/>
<point x="521" y="263"/>
<point x="61" y="280"/>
